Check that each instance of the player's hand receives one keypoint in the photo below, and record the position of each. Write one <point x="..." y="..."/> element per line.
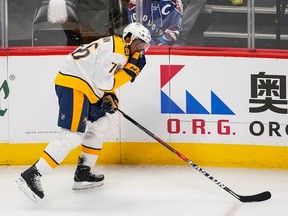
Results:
<point x="134" y="65"/>
<point x="109" y="103"/>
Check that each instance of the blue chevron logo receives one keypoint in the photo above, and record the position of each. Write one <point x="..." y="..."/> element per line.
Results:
<point x="193" y="106"/>
<point x="167" y="105"/>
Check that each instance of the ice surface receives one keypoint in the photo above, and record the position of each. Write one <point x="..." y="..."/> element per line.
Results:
<point x="149" y="190"/>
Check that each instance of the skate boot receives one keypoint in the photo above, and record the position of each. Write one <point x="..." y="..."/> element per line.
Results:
<point x="29" y="183"/>
<point x="84" y="179"/>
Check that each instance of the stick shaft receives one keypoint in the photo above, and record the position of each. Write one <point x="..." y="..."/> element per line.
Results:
<point x="195" y="166"/>
<point x="253" y="198"/>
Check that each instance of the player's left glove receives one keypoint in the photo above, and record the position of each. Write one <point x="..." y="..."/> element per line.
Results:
<point x="109" y="103"/>
<point x="134" y="65"/>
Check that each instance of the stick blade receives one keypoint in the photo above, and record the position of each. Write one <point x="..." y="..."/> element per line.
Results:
<point x="256" y="198"/>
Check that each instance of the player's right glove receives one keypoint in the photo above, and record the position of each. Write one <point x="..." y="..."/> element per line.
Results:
<point x="134" y="65"/>
<point x="109" y="103"/>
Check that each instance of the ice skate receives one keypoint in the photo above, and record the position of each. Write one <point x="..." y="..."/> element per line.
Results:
<point x="84" y="179"/>
<point x="29" y="183"/>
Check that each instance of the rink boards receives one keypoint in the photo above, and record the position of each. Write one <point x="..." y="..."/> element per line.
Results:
<point x="217" y="107"/>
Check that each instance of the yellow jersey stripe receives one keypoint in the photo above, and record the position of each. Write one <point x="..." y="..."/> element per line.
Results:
<point x="121" y="77"/>
<point x="78" y="99"/>
<point x="76" y="83"/>
<point x="119" y="48"/>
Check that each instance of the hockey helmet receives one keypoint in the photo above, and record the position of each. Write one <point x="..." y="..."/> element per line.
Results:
<point x="136" y="30"/>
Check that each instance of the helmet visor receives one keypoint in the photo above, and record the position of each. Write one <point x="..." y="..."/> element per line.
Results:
<point x="141" y="45"/>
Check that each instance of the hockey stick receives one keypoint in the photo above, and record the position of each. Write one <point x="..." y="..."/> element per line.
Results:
<point x="250" y="198"/>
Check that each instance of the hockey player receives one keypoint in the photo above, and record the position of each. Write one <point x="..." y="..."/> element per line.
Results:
<point x="85" y="87"/>
<point x="162" y="17"/>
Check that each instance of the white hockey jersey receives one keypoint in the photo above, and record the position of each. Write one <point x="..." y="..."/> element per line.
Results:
<point x="92" y="68"/>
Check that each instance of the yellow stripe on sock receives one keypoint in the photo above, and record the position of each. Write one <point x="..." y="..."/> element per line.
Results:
<point x="49" y="160"/>
<point x="91" y="151"/>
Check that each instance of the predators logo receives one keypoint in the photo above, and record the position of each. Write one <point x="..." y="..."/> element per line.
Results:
<point x="126" y="51"/>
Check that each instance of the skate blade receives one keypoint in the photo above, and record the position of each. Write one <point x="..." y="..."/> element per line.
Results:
<point x="20" y="182"/>
<point x="86" y="185"/>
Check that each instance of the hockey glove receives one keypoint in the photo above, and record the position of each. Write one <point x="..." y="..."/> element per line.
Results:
<point x="134" y="65"/>
<point x="109" y="103"/>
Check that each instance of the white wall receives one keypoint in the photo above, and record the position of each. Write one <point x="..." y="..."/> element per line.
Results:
<point x="208" y="81"/>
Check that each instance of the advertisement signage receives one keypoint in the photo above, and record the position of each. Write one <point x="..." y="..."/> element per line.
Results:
<point x="4" y="98"/>
<point x="226" y="100"/>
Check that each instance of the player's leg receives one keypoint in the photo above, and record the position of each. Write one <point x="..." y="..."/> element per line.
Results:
<point x="73" y="112"/>
<point x="97" y="127"/>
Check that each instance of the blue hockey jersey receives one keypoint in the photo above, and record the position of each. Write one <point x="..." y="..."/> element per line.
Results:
<point x="162" y="17"/>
